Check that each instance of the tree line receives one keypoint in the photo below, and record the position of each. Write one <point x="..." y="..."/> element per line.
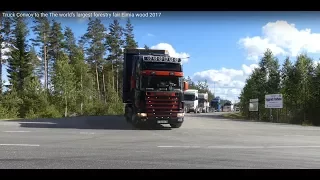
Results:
<point x="56" y="75"/>
<point x="299" y="83"/>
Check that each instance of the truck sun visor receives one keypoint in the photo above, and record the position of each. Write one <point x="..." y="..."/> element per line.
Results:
<point x="150" y="58"/>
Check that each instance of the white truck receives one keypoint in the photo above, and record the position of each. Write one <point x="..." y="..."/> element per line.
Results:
<point x="191" y="101"/>
<point x="203" y="102"/>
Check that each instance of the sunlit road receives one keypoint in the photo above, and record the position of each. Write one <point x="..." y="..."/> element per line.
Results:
<point x="204" y="141"/>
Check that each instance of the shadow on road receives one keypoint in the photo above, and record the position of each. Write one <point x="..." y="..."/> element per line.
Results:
<point x="83" y="122"/>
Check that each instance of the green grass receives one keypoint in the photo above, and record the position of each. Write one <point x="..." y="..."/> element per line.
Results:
<point x="10" y="119"/>
<point x="307" y="123"/>
<point x="237" y="115"/>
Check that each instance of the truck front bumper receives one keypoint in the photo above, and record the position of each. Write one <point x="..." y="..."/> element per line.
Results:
<point x="152" y="120"/>
<point x="190" y="109"/>
<point x="162" y="120"/>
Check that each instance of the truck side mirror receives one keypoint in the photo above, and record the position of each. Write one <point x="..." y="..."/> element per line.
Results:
<point x="185" y="85"/>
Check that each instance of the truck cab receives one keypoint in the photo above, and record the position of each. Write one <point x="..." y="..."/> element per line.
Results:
<point x="216" y="104"/>
<point x="203" y="102"/>
<point x="191" y="101"/>
<point x="153" y="88"/>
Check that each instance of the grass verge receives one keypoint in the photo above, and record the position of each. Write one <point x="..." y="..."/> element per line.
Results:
<point x="10" y="119"/>
<point x="234" y="116"/>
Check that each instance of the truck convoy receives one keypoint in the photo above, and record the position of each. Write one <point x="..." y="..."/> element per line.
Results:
<point x="203" y="102"/>
<point x="153" y="88"/>
<point x="191" y="101"/>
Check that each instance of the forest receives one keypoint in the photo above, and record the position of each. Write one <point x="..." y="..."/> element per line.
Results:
<point x="57" y="75"/>
<point x="297" y="80"/>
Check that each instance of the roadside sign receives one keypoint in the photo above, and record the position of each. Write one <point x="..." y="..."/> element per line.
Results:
<point x="254" y="105"/>
<point x="274" y="101"/>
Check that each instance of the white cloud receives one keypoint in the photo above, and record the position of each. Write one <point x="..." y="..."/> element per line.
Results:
<point x="82" y="20"/>
<point x="150" y="35"/>
<point x="172" y="52"/>
<point x="283" y="39"/>
<point x="226" y="83"/>
<point x="316" y="63"/>
<point x="3" y="51"/>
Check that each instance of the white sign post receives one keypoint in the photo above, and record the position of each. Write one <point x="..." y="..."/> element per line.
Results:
<point x="253" y="105"/>
<point x="273" y="101"/>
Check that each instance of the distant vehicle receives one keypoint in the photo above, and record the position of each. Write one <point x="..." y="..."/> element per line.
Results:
<point x="227" y="107"/>
<point x="203" y="102"/>
<point x="216" y="104"/>
<point x="153" y="88"/>
<point x="191" y="101"/>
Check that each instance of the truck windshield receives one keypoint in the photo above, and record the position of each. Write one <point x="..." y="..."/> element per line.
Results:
<point x="161" y="82"/>
<point x="161" y="66"/>
<point x="201" y="100"/>
<point x="189" y="97"/>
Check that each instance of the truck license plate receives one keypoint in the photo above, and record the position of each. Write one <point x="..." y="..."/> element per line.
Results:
<point x="162" y="121"/>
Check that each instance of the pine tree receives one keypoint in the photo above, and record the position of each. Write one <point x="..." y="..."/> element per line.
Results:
<point x="42" y="31"/>
<point x="115" y="44"/>
<point x="95" y="47"/>
<point x="70" y="43"/>
<point x="55" y="46"/>
<point x="19" y="61"/>
<point x="130" y="42"/>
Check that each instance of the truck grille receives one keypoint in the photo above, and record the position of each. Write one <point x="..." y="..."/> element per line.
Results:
<point x="163" y="104"/>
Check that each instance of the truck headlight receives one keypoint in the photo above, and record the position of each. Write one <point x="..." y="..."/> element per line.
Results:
<point x="142" y="114"/>
<point x="180" y="115"/>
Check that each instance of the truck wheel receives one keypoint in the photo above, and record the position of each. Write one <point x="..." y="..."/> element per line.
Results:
<point x="135" y="122"/>
<point x="176" y="125"/>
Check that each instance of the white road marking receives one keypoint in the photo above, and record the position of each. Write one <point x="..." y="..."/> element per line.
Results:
<point x="239" y="147"/>
<point x="37" y="123"/>
<point x="259" y="147"/>
<point x="235" y="147"/>
<point x="179" y="146"/>
<point x="87" y="133"/>
<point x="30" y="145"/>
<point x="15" y="131"/>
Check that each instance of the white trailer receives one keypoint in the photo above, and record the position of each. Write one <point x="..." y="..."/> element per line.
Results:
<point x="203" y="102"/>
<point x="191" y="101"/>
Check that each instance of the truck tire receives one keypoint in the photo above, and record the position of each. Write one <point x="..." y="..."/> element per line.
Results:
<point x="135" y="122"/>
<point x="196" y="110"/>
<point x="176" y="125"/>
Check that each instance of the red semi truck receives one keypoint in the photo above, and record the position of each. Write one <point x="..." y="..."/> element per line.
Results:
<point x="153" y="88"/>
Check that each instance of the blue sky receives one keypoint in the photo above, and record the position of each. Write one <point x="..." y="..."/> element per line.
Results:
<point x="213" y="42"/>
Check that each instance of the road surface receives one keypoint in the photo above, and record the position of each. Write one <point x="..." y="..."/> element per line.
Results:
<point x="204" y="141"/>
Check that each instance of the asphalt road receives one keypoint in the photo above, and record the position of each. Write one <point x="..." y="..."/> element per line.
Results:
<point x="203" y="141"/>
